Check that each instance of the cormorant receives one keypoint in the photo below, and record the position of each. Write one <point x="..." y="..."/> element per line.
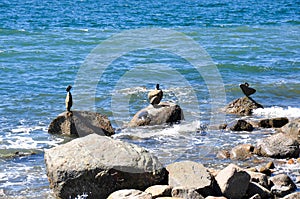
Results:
<point x="69" y="101"/>
<point x="246" y="89"/>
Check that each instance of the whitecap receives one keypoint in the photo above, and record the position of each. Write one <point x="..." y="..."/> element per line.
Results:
<point x="276" y="111"/>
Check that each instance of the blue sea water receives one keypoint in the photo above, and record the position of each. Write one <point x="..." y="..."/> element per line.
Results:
<point x="45" y="44"/>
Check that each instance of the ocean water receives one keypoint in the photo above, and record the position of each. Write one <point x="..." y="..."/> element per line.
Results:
<point x="114" y="52"/>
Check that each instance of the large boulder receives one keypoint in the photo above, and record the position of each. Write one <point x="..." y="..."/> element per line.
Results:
<point x="164" y="112"/>
<point x="192" y="175"/>
<point x="278" y="146"/>
<point x="255" y="188"/>
<point x="81" y="123"/>
<point x="99" y="165"/>
<point x="273" y="122"/>
<point x="293" y="129"/>
<point x="233" y="181"/>
<point x="242" y="106"/>
<point x="282" y="185"/>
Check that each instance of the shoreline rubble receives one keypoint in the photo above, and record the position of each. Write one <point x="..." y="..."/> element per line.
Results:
<point x="186" y="179"/>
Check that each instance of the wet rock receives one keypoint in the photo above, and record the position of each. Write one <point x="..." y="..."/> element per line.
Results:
<point x="283" y="185"/>
<point x="192" y="175"/>
<point x="273" y="122"/>
<point x="241" y="152"/>
<point x="295" y="195"/>
<point x="129" y="194"/>
<point x="15" y="153"/>
<point x="242" y="106"/>
<point x="184" y="192"/>
<point x="223" y="154"/>
<point x="222" y="126"/>
<point x="240" y="125"/>
<point x="278" y="146"/>
<point x="99" y="165"/>
<point x="293" y="129"/>
<point x="260" y="178"/>
<point x="255" y="188"/>
<point x="81" y="123"/>
<point x="233" y="181"/>
<point x="159" y="190"/>
<point x="270" y="165"/>
<point x="164" y="112"/>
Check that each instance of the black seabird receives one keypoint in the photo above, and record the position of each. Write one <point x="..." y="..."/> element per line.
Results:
<point x="246" y="89"/>
<point x="69" y="101"/>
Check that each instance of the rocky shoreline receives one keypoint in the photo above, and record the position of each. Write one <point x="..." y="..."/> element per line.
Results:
<point x="102" y="167"/>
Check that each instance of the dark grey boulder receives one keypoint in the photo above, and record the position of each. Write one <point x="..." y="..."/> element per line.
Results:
<point x="233" y="182"/>
<point x="255" y="188"/>
<point x="278" y="146"/>
<point x="293" y="129"/>
<point x="164" y="112"/>
<point x="98" y="165"/>
<point x="283" y="185"/>
<point x="240" y="125"/>
<point x="273" y="122"/>
<point x="193" y="175"/>
<point x="242" y="106"/>
<point x="260" y="178"/>
<point x="81" y="123"/>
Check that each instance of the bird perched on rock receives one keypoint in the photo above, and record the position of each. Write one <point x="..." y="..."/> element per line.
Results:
<point x="69" y="101"/>
<point x="155" y="96"/>
<point x="246" y="89"/>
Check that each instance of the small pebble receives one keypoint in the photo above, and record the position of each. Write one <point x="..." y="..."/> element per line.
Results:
<point x="265" y="170"/>
<point x="291" y="161"/>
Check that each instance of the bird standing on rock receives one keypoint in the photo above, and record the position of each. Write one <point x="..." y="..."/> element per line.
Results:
<point x="246" y="89"/>
<point x="155" y="96"/>
<point x="69" y="101"/>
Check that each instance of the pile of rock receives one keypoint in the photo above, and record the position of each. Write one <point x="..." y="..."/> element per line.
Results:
<point x="191" y="180"/>
<point x="103" y="167"/>
<point x="242" y="106"/>
<point x="283" y="144"/>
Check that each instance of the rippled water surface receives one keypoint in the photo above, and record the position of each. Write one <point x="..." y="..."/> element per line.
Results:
<point x="45" y="44"/>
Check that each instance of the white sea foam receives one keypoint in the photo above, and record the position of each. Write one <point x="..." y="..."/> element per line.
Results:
<point x="22" y="142"/>
<point x="130" y="91"/>
<point x="276" y="111"/>
<point x="22" y="129"/>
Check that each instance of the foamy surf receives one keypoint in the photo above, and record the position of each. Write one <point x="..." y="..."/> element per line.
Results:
<point x="275" y="111"/>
